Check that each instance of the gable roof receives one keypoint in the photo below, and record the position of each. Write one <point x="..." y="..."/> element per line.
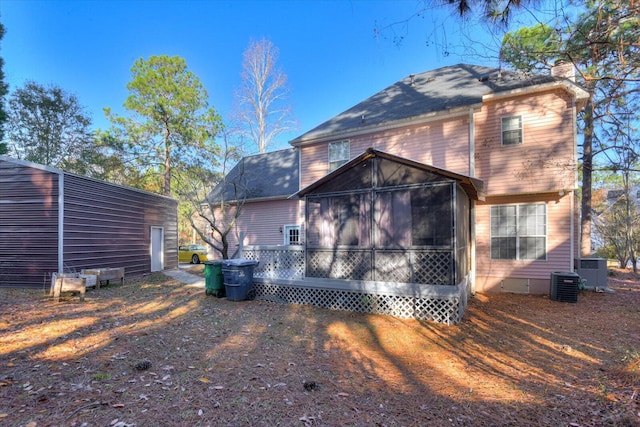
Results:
<point x="269" y="175"/>
<point x="474" y="187"/>
<point x="426" y="94"/>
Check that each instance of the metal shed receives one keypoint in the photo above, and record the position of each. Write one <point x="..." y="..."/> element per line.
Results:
<point x="55" y="221"/>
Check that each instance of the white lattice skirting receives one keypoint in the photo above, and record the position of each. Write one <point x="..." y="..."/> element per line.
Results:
<point x="280" y="277"/>
<point x="448" y="309"/>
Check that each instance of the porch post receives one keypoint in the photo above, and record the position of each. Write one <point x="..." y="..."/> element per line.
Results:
<point x="472" y="251"/>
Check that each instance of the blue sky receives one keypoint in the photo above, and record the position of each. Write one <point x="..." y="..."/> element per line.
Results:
<point x="328" y="49"/>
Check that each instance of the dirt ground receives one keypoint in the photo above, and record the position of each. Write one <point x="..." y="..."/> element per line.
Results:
<point x="154" y="352"/>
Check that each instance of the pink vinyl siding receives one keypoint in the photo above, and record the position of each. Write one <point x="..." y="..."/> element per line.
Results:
<point x="260" y="223"/>
<point x="545" y="159"/>
<point x="443" y="143"/>
<point x="490" y="272"/>
<point x="542" y="169"/>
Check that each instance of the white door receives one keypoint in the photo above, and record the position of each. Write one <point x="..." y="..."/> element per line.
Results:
<point x="157" y="249"/>
<point x="291" y="234"/>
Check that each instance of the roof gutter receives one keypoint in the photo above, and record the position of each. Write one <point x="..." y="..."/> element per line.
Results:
<point x="255" y="199"/>
<point x="580" y="94"/>
<point x="415" y="120"/>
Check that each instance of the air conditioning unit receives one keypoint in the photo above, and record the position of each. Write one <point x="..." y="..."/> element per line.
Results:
<point x="593" y="270"/>
<point x="564" y="286"/>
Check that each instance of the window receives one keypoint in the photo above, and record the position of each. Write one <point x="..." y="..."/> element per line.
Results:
<point x="338" y="154"/>
<point x="512" y="130"/>
<point x="519" y="232"/>
<point x="291" y="234"/>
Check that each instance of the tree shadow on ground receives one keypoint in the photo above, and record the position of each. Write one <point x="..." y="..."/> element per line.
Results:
<point x="514" y="360"/>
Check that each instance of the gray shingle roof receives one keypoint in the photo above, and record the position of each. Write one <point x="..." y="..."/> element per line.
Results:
<point x="262" y="176"/>
<point x="429" y="92"/>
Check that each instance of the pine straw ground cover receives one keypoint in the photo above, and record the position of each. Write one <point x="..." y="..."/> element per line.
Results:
<point x="154" y="352"/>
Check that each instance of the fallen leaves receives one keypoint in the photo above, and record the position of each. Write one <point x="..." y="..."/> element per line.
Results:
<point x="510" y="361"/>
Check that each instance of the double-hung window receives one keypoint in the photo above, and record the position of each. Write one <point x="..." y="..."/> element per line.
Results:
<point x="512" y="130"/>
<point x="519" y="232"/>
<point x="338" y="154"/>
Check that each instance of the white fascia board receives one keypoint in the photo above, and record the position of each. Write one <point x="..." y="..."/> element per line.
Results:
<point x="409" y="121"/>
<point x="31" y="164"/>
<point x="573" y="89"/>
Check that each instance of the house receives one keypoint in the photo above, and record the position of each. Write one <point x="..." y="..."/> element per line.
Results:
<point x="54" y="221"/>
<point x="263" y="184"/>
<point x="453" y="181"/>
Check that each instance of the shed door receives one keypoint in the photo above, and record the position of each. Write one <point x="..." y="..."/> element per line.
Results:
<point x="157" y="249"/>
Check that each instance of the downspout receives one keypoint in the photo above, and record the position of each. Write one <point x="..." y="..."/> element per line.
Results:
<point x="61" y="222"/>
<point x="302" y="204"/>
<point x="472" y="213"/>
<point x="472" y="145"/>
<point x="574" y="116"/>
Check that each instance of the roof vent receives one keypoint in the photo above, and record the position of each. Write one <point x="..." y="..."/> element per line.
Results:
<point x="493" y="75"/>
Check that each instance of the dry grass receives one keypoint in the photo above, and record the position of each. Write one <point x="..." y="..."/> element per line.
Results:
<point x="514" y="360"/>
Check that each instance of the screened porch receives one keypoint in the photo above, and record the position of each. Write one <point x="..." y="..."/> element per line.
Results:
<point x="382" y="234"/>
<point x="384" y="220"/>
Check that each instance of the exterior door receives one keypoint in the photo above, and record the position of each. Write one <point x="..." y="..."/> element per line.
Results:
<point x="157" y="249"/>
<point x="291" y="234"/>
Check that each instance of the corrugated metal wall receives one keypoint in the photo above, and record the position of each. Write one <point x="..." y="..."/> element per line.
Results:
<point x="28" y="225"/>
<point x="107" y="225"/>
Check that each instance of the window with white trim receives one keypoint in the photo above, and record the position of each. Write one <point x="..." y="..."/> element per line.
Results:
<point x="291" y="234"/>
<point x="338" y="154"/>
<point x="519" y="232"/>
<point x="512" y="130"/>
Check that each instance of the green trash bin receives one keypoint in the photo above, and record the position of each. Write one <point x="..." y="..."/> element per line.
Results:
<point x="213" y="278"/>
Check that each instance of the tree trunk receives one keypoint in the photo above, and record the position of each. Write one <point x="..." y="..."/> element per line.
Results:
<point x="167" y="170"/>
<point x="628" y="225"/>
<point x="225" y="247"/>
<point x="587" y="170"/>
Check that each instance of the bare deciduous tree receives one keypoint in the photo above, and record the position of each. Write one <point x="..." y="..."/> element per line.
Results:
<point x="262" y="111"/>
<point x="213" y="214"/>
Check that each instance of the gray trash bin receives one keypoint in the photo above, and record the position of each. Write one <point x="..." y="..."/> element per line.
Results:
<point x="238" y="277"/>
